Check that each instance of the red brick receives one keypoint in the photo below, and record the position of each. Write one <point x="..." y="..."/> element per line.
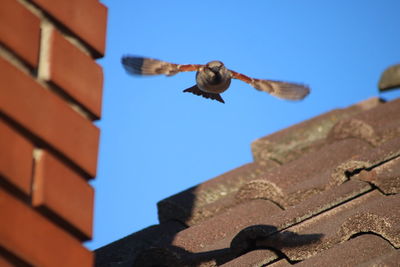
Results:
<point x="20" y="31"/>
<point x="5" y="262"/>
<point x="61" y="190"/>
<point x="86" y="19"/>
<point x="15" y="158"/>
<point x="34" y="239"/>
<point x="9" y="260"/>
<point x="76" y="73"/>
<point x="48" y="117"/>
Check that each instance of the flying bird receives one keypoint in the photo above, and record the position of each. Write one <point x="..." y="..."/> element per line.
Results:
<point x="213" y="78"/>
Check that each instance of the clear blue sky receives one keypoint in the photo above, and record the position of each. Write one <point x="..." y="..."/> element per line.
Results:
<point x="157" y="141"/>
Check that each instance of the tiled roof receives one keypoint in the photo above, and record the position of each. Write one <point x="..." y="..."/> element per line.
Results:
<point x="322" y="192"/>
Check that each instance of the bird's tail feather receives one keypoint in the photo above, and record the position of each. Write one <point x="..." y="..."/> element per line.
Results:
<point x="196" y="91"/>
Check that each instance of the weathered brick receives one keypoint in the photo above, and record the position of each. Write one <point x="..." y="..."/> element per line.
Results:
<point x="34" y="239"/>
<point x="61" y="190"/>
<point x="86" y="19"/>
<point x="76" y="73"/>
<point x="20" y="31"/>
<point x="15" y="158"/>
<point x="48" y="117"/>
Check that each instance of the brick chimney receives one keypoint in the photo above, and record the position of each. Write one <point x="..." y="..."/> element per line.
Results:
<point x="50" y="94"/>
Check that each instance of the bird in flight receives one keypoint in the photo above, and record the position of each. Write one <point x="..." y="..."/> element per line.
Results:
<point x="213" y="78"/>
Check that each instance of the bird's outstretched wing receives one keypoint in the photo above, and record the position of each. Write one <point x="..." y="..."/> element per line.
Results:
<point x="149" y="66"/>
<point x="284" y="90"/>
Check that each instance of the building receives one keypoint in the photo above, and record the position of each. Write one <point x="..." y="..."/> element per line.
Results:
<point x="51" y="92"/>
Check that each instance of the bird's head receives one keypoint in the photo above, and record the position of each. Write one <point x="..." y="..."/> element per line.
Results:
<point x="215" y="66"/>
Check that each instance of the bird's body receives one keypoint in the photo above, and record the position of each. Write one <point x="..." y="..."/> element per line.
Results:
<point x="213" y="78"/>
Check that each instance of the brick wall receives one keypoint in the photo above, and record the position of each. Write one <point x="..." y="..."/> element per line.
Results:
<point x="50" y="94"/>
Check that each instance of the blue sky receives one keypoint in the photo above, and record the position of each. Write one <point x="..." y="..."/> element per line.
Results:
<point x="157" y="141"/>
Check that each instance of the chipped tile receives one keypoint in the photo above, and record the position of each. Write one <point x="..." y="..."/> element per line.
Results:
<point x="384" y="152"/>
<point x="386" y="176"/>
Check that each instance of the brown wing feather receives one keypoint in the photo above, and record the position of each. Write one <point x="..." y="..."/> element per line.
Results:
<point x="149" y="66"/>
<point x="189" y="67"/>
<point x="284" y="90"/>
